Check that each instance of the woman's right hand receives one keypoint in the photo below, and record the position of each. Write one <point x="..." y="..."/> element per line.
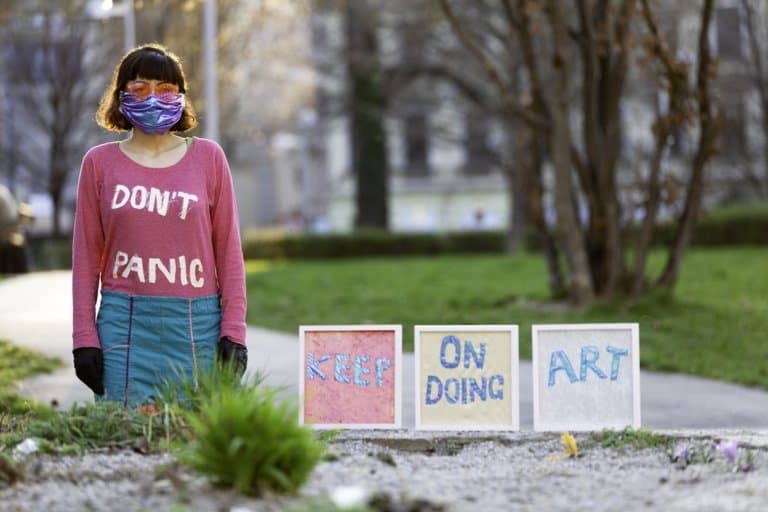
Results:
<point x="89" y="368"/>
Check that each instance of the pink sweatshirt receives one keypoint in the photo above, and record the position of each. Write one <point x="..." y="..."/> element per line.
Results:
<point x="170" y="232"/>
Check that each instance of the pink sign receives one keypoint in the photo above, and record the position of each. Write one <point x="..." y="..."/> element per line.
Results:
<point x="350" y="376"/>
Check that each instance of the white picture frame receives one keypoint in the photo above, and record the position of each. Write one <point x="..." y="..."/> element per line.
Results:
<point x="541" y="425"/>
<point x="398" y="333"/>
<point x="513" y="331"/>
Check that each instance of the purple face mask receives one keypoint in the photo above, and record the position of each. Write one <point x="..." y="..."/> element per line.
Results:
<point x="154" y="114"/>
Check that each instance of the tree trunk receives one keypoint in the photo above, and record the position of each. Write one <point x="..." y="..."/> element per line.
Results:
<point x="569" y="229"/>
<point x="568" y="226"/>
<point x="56" y="214"/>
<point x="544" y="238"/>
<point x="367" y="102"/>
<point x="536" y="145"/>
<point x="369" y="156"/>
<point x="761" y="84"/>
<point x="764" y="105"/>
<point x="651" y="210"/>
<point x="518" y="177"/>
<point x="710" y="122"/>
<point x="604" y="70"/>
<point x="516" y="198"/>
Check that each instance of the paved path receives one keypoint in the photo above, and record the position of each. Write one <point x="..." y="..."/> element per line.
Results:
<point x="35" y="312"/>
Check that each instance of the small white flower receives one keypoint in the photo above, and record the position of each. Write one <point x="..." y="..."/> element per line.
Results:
<point x="240" y="509"/>
<point x="349" y="496"/>
<point x="27" y="447"/>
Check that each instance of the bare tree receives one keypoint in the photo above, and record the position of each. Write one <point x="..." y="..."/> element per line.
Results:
<point x="367" y="102"/>
<point x="758" y="61"/>
<point x="710" y="118"/>
<point x="266" y="82"/>
<point x="547" y="116"/>
<point x="498" y="41"/>
<point x="597" y="50"/>
<point x="52" y="77"/>
<point x="671" y="74"/>
<point x="560" y="143"/>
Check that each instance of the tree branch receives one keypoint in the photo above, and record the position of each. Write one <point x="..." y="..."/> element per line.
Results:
<point x="510" y="106"/>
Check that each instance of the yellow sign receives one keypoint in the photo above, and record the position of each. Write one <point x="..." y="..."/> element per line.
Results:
<point x="467" y="377"/>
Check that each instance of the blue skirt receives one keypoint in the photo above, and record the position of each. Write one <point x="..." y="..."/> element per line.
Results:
<point x="148" y="341"/>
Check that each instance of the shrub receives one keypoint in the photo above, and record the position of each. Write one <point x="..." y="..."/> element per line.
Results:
<point x="181" y="391"/>
<point x="49" y="252"/>
<point x="369" y="243"/>
<point x="732" y="225"/>
<point x="736" y="224"/>
<point x="244" y="438"/>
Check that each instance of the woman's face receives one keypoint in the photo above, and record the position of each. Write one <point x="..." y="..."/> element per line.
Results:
<point x="140" y="88"/>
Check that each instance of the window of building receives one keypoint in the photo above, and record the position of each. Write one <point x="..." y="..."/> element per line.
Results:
<point x="729" y="33"/>
<point x="478" y="151"/>
<point x="416" y="127"/>
<point x="733" y="136"/>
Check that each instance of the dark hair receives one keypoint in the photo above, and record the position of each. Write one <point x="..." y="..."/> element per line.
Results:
<point x="151" y="61"/>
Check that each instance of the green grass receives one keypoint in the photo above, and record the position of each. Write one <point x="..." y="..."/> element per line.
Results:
<point x="638" y="439"/>
<point x="714" y="324"/>
<point x="91" y="426"/>
<point x="17" y="364"/>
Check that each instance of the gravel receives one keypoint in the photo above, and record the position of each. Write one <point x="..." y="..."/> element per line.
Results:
<point x="453" y="472"/>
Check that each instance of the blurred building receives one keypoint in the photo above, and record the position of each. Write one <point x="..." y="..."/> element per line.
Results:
<point x="441" y="159"/>
<point x="444" y="156"/>
<point x="51" y="78"/>
<point x="286" y="132"/>
<point x="739" y="171"/>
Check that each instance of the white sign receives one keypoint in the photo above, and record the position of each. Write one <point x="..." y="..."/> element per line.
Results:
<point x="586" y="377"/>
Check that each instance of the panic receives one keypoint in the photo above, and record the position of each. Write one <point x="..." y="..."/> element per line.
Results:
<point x="187" y="274"/>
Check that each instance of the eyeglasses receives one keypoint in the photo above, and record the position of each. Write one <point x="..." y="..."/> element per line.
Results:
<point x="141" y="89"/>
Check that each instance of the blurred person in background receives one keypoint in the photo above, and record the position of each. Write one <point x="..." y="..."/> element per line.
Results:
<point x="14" y="218"/>
<point x="156" y="226"/>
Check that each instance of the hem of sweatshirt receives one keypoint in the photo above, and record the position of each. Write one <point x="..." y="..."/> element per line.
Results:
<point x="85" y="344"/>
<point x="235" y="332"/>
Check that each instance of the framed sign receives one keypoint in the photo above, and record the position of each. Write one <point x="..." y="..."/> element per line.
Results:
<point x="586" y="376"/>
<point x="467" y="377"/>
<point x="350" y="376"/>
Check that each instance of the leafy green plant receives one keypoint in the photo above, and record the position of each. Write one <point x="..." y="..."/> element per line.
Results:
<point x="244" y="438"/>
<point x="686" y="454"/>
<point x="101" y="425"/>
<point x="10" y="471"/>
<point x="90" y="426"/>
<point x="183" y="392"/>
<point x="638" y="439"/>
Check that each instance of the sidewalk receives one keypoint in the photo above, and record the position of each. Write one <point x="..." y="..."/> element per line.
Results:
<point x="35" y="313"/>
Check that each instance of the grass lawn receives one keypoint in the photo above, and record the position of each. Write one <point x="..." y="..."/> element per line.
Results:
<point x="714" y="325"/>
<point x="16" y="364"/>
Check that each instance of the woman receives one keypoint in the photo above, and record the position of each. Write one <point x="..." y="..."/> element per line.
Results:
<point x="156" y="224"/>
